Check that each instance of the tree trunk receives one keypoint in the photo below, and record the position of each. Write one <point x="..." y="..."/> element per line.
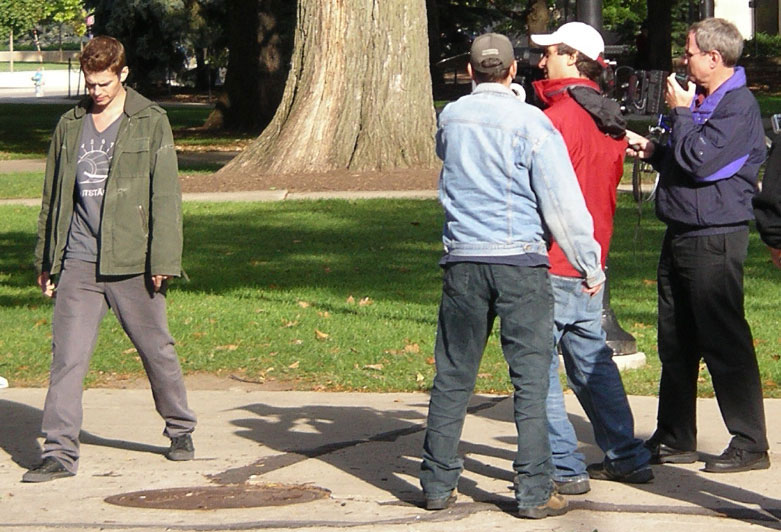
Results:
<point x="11" y="49"/>
<point x="260" y="45"/>
<point x="358" y="95"/>
<point x="659" y="31"/>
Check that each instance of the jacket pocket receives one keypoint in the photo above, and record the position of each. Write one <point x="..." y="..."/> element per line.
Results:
<point x="134" y="158"/>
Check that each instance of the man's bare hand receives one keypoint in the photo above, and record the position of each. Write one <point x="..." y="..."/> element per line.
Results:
<point x="157" y="281"/>
<point x="677" y="96"/>
<point x="638" y="145"/>
<point x="46" y="285"/>
<point x="593" y="290"/>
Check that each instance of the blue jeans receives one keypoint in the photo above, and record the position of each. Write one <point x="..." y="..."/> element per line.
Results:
<point x="594" y="378"/>
<point x="473" y="295"/>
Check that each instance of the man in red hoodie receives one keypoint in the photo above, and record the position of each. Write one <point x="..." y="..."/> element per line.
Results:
<point x="594" y="133"/>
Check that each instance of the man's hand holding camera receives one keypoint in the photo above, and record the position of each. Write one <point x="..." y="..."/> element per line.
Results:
<point x="677" y="95"/>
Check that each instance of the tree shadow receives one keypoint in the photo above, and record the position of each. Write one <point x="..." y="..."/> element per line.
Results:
<point x="380" y="448"/>
<point x="22" y="427"/>
<point x="354" y="438"/>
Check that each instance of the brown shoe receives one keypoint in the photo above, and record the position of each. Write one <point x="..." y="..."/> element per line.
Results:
<point x="556" y="505"/>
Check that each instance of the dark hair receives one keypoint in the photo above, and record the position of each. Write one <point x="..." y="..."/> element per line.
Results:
<point x="588" y="68"/>
<point x="482" y="77"/>
<point x="103" y="53"/>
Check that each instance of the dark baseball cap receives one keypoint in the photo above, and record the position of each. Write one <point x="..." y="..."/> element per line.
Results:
<point x="491" y="53"/>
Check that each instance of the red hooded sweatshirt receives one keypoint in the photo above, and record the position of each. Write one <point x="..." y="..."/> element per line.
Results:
<point x="598" y="160"/>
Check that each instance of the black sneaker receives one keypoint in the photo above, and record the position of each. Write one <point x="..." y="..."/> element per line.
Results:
<point x="733" y="460"/>
<point x="181" y="448"/>
<point x="556" y="505"/>
<point x="47" y="470"/>
<point x="641" y="475"/>
<point x="441" y="503"/>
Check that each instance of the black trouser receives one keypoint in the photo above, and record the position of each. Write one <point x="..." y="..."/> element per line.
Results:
<point x="700" y="285"/>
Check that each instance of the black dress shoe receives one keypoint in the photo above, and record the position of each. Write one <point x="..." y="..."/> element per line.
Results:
<point x="733" y="460"/>
<point x="664" y="454"/>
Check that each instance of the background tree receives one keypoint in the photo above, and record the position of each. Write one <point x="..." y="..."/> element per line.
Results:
<point x="18" y="17"/>
<point x="153" y="32"/>
<point x="206" y="38"/>
<point x="260" y="44"/>
<point x="358" y="95"/>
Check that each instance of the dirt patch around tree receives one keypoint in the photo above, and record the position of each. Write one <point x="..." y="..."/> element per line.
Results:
<point x="333" y="181"/>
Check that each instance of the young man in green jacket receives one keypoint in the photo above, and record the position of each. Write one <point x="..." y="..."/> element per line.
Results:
<point x="110" y="231"/>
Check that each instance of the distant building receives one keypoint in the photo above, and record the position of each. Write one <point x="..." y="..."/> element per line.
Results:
<point x="750" y="16"/>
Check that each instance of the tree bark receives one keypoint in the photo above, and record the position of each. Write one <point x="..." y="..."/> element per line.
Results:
<point x="659" y="31"/>
<point x="358" y="95"/>
<point x="260" y="45"/>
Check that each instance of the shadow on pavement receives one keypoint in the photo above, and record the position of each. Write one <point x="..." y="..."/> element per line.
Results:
<point x="22" y="427"/>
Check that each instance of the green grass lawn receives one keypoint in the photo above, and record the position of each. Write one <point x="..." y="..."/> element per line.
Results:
<point x="26" y="129"/>
<point x="335" y="295"/>
<point x="20" y="66"/>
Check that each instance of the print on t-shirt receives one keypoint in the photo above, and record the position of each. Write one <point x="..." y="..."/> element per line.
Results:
<point x="95" y="153"/>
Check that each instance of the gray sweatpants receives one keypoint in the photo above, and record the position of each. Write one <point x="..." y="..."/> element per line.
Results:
<point x="82" y="300"/>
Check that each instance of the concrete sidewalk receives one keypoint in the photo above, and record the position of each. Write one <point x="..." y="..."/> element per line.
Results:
<point x="363" y="449"/>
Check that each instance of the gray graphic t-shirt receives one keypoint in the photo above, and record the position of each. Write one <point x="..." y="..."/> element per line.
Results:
<point x="95" y="153"/>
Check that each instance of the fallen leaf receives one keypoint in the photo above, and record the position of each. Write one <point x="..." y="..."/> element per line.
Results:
<point x="483" y="375"/>
<point x="377" y="367"/>
<point x="649" y="282"/>
<point x="303" y="304"/>
<point x="419" y="377"/>
<point x="430" y="361"/>
<point x="412" y="348"/>
<point x="289" y="324"/>
<point x="199" y="334"/>
<point x="297" y="342"/>
<point x="294" y="365"/>
<point x="324" y="314"/>
<point x="228" y="347"/>
<point x="350" y="300"/>
<point x="365" y="301"/>
<point x="129" y="351"/>
<point x="320" y="335"/>
<point x="40" y="322"/>
<point x="775" y="357"/>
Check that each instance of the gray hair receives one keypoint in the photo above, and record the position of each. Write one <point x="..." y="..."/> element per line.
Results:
<point x="720" y="35"/>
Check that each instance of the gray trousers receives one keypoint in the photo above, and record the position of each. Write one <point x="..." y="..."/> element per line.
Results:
<point x="82" y="300"/>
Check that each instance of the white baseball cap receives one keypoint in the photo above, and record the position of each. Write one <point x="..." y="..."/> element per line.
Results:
<point x="582" y="37"/>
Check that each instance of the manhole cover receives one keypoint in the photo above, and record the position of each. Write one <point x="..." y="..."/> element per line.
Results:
<point x="216" y="497"/>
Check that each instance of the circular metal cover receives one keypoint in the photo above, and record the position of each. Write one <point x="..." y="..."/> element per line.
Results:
<point x="216" y="497"/>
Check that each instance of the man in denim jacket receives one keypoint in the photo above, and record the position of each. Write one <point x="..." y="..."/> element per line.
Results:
<point x="506" y="184"/>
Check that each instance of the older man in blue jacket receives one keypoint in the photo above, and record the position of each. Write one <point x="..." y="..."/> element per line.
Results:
<point x="708" y="177"/>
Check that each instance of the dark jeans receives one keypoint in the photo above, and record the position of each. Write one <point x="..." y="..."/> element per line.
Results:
<point x="701" y="317"/>
<point x="473" y="295"/>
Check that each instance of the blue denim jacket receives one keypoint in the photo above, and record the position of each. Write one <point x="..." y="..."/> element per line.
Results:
<point x="507" y="180"/>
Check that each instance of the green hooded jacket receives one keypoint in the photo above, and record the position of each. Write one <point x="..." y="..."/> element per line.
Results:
<point x="141" y="217"/>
